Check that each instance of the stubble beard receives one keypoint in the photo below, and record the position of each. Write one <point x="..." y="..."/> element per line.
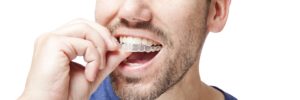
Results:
<point x="170" y="73"/>
<point x="128" y="88"/>
<point x="176" y="64"/>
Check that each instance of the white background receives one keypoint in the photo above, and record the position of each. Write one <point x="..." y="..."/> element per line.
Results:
<point x="256" y="57"/>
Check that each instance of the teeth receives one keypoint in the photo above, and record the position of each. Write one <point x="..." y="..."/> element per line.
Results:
<point x="146" y="42"/>
<point x="132" y="44"/>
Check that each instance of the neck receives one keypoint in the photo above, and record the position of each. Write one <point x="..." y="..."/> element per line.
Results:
<point x="191" y="88"/>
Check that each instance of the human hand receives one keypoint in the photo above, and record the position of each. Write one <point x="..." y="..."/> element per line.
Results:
<point x="53" y="74"/>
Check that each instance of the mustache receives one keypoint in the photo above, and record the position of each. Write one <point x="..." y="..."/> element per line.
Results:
<point x="139" y="25"/>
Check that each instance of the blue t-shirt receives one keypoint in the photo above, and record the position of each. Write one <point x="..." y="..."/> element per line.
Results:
<point x="106" y="92"/>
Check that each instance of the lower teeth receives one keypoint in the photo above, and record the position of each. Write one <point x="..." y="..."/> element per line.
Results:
<point x="139" y="48"/>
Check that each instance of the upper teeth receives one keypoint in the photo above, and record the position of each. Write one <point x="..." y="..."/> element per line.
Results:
<point x="134" y="44"/>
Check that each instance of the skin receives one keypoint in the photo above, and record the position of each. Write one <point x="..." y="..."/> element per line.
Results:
<point x="53" y="75"/>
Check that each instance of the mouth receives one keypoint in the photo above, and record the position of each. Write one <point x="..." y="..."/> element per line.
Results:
<point x="143" y="51"/>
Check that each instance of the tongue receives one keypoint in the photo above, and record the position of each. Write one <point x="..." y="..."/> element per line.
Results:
<point x="140" y="57"/>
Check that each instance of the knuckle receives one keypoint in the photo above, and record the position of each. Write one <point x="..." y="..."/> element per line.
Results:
<point x="41" y="39"/>
<point x="53" y="39"/>
<point x="90" y="44"/>
<point x="48" y="39"/>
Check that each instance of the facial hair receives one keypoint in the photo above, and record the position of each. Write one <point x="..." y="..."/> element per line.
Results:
<point x="174" y="68"/>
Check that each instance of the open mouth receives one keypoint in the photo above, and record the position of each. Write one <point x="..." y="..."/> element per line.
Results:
<point x="143" y="50"/>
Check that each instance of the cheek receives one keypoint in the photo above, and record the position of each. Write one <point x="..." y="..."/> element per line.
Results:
<point x="106" y="10"/>
<point x="179" y="17"/>
<point x="185" y="31"/>
<point x="176" y="19"/>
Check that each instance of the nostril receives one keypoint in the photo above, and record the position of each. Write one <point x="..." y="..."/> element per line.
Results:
<point x="129" y="23"/>
<point x="135" y="11"/>
<point x="135" y="20"/>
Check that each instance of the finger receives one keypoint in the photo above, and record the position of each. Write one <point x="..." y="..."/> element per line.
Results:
<point x="80" y="47"/>
<point x="104" y="32"/>
<point x="80" y="86"/>
<point x="89" y="30"/>
<point x="92" y="65"/>
<point x="84" y="31"/>
<point x="113" y="61"/>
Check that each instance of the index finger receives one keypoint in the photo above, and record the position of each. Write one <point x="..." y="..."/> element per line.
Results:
<point x="91" y="31"/>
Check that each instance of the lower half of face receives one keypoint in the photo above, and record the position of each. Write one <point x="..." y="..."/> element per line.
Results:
<point x="145" y="75"/>
<point x="163" y="69"/>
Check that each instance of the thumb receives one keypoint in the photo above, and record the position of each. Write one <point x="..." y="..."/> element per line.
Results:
<point x="113" y="61"/>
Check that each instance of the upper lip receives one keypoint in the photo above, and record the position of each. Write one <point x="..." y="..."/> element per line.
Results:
<point x="140" y="33"/>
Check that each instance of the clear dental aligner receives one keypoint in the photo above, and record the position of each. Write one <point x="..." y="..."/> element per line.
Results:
<point x="139" y="48"/>
<point x="133" y="44"/>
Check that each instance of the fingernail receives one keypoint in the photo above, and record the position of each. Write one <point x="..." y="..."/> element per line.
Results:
<point x="115" y="42"/>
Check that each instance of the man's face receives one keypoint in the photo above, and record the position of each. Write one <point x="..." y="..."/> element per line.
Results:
<point x="174" y="29"/>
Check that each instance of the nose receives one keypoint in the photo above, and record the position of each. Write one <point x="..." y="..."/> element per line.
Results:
<point x="134" y="11"/>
